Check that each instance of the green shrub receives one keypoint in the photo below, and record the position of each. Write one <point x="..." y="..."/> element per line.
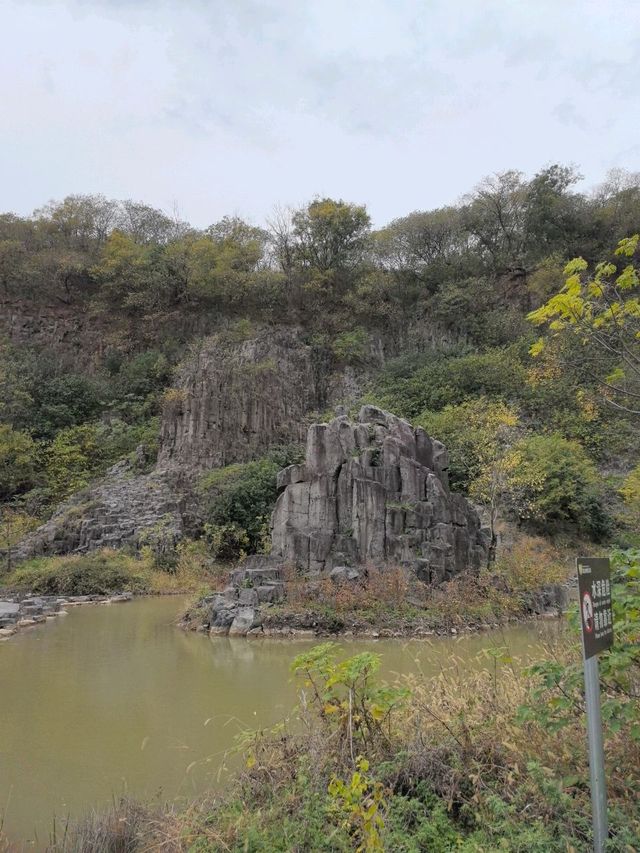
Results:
<point x="18" y="462"/>
<point x="100" y="573"/>
<point x="557" y="699"/>
<point x="352" y="347"/>
<point x="554" y="484"/>
<point x="444" y="381"/>
<point x="237" y="500"/>
<point x="65" y="401"/>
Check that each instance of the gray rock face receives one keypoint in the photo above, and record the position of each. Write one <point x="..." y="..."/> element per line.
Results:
<point x="236" y="398"/>
<point x="374" y="490"/>
<point x="123" y="508"/>
<point x="8" y="608"/>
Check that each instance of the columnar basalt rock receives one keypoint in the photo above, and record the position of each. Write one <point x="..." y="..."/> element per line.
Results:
<point x="236" y="398"/>
<point x="375" y="490"/>
<point x="124" y="508"/>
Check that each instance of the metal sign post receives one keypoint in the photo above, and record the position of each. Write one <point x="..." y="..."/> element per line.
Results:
<point x="596" y="616"/>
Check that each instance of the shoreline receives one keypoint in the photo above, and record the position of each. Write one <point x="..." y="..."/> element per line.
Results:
<point x="19" y="612"/>
<point x="371" y="632"/>
<point x="22" y="611"/>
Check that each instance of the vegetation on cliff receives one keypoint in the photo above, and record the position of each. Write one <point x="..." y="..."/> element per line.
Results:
<point x="100" y="299"/>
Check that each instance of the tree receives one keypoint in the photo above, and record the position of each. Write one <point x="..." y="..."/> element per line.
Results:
<point x="630" y="493"/>
<point x="479" y="435"/>
<point x="18" y="462"/>
<point x="423" y="248"/>
<point x="553" y="484"/>
<point x="64" y="401"/>
<point x="495" y="216"/>
<point x="71" y="460"/>
<point x="330" y="235"/>
<point x="14" y="526"/>
<point x="124" y="272"/>
<point x="145" y="224"/>
<point x="79" y="222"/>
<point x="553" y="216"/>
<point x="12" y="266"/>
<point x="601" y="312"/>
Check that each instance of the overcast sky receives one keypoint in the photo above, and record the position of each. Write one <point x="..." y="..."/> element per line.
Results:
<point x="232" y="106"/>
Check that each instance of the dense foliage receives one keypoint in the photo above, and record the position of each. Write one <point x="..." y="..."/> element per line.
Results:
<point x="236" y="502"/>
<point x="442" y="295"/>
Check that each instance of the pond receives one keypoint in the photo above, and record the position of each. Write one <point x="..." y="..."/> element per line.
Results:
<point x="116" y="699"/>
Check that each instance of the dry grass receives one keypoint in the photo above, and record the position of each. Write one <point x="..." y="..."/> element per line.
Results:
<point x="127" y="826"/>
<point x="389" y="587"/>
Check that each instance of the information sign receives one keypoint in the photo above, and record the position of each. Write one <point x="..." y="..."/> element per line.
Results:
<point x="594" y="586"/>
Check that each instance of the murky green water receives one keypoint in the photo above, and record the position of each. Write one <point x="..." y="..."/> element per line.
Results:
<point x="115" y="699"/>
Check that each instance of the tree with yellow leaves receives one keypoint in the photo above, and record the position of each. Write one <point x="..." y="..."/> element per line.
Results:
<point x="600" y="310"/>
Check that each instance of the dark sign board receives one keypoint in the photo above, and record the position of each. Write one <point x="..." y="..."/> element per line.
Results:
<point x="596" y="615"/>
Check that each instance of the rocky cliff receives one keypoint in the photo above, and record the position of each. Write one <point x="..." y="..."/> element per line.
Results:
<point x="374" y="490"/>
<point x="124" y="508"/>
<point x="233" y="398"/>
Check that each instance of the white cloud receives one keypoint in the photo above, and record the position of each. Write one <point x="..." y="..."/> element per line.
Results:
<point x="232" y="107"/>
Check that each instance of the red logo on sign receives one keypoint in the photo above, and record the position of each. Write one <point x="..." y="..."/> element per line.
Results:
<point x="587" y="613"/>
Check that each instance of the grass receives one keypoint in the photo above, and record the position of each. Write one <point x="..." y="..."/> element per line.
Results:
<point x="108" y="571"/>
<point x="392" y="600"/>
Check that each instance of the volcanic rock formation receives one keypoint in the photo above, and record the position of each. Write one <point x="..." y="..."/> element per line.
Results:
<point x="374" y="491"/>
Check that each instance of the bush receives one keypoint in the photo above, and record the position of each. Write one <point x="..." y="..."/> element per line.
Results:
<point x="18" y="462"/>
<point x="557" y="700"/>
<point x="531" y="563"/>
<point x="443" y="381"/>
<point x="555" y="484"/>
<point x="100" y="573"/>
<point x="82" y="453"/>
<point x="237" y="501"/>
<point x="65" y="401"/>
<point x="352" y="347"/>
<point x="473" y="434"/>
<point x="71" y="460"/>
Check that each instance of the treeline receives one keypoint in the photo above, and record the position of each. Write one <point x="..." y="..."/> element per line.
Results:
<point x="502" y="241"/>
<point x="151" y="282"/>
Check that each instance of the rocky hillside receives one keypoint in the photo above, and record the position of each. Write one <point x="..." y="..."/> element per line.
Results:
<point x="237" y="395"/>
<point x="121" y="328"/>
<point x="232" y="400"/>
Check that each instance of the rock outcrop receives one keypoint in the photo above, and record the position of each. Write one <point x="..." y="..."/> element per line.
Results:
<point x="238" y="609"/>
<point x="124" y="508"/>
<point x="374" y="490"/>
<point x="235" y="398"/>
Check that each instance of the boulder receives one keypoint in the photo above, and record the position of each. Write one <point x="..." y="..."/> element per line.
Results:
<point x="344" y="573"/>
<point x="9" y="609"/>
<point x="243" y="621"/>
